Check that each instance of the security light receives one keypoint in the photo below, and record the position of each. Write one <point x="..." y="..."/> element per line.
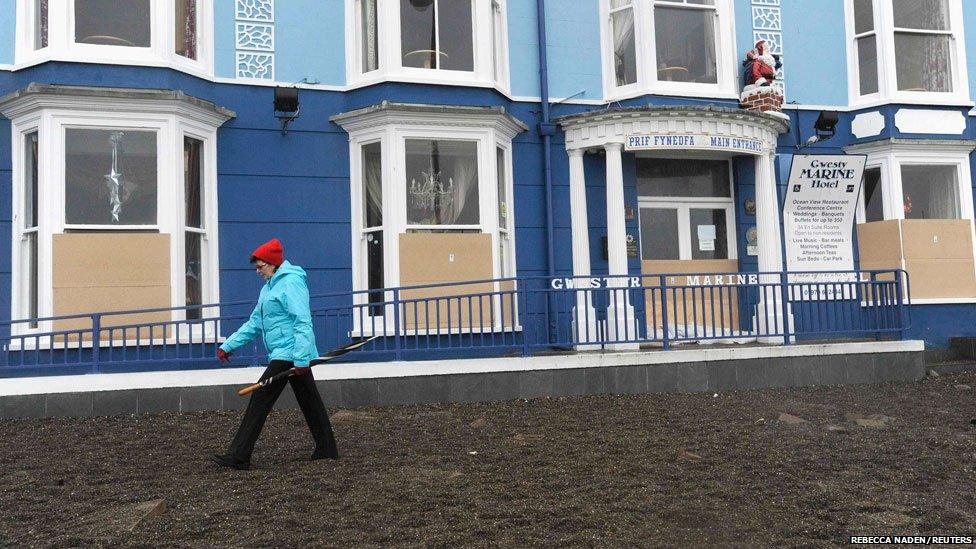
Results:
<point x="286" y="107"/>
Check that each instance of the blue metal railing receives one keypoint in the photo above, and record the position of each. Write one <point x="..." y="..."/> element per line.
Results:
<point x="487" y="318"/>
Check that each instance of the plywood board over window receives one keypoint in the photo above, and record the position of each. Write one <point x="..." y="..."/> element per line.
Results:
<point x="714" y="311"/>
<point x="97" y="271"/>
<point x="437" y="258"/>
<point x="936" y="253"/>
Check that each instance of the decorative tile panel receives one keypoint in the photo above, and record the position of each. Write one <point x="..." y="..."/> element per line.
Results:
<point x="255" y="36"/>
<point x="767" y="18"/>
<point x="255" y="10"/>
<point x="255" y="39"/>
<point x="255" y="65"/>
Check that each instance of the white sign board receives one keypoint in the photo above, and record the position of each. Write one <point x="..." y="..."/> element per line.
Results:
<point x="671" y="141"/>
<point x="818" y="217"/>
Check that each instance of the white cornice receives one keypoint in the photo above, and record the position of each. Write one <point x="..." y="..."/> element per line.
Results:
<point x="598" y="128"/>
<point x="388" y="114"/>
<point x="36" y="97"/>
<point x="963" y="146"/>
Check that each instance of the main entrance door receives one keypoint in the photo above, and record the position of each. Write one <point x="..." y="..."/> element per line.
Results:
<point x="687" y="226"/>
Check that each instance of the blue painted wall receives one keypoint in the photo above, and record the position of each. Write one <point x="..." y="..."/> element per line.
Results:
<point x="8" y="30"/>
<point x="523" y="48"/>
<point x="815" y="52"/>
<point x="573" y="36"/>
<point x="310" y="41"/>
<point x="224" y="41"/>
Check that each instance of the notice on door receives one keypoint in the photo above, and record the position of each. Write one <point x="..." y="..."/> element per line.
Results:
<point x="818" y="217"/>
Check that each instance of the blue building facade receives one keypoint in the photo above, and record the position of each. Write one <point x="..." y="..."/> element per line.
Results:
<point x="427" y="128"/>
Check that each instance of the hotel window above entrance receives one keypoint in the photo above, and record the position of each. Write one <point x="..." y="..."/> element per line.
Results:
<point x="685" y="210"/>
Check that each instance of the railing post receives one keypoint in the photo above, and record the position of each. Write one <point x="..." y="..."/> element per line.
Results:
<point x="96" y="341"/>
<point x="396" y="323"/>
<point x="522" y="299"/>
<point x="666" y="341"/>
<point x="784" y="287"/>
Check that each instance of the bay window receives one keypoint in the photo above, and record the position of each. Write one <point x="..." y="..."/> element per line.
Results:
<point x="101" y="31"/>
<point x="908" y="50"/>
<point x="115" y="210"/>
<point x="916" y="214"/>
<point x="427" y="41"/>
<point x="431" y="201"/>
<point x="680" y="47"/>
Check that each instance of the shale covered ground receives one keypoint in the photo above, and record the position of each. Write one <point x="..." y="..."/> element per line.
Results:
<point x="771" y="467"/>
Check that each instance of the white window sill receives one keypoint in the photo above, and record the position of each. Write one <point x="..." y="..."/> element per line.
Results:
<point x="422" y="76"/>
<point x="944" y="301"/>
<point x="195" y="68"/>
<point x="691" y="90"/>
<point x="936" y="99"/>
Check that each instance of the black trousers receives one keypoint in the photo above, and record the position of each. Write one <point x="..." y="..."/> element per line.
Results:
<point x="263" y="400"/>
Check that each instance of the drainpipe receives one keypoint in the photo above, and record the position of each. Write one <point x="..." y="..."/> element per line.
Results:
<point x="546" y="130"/>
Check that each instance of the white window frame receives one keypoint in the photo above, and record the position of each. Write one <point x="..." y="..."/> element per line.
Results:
<point x="392" y="133"/>
<point x="888" y="92"/>
<point x="162" y="51"/>
<point x="486" y="48"/>
<point x="50" y="124"/>
<point x="890" y="158"/>
<point x="647" y="78"/>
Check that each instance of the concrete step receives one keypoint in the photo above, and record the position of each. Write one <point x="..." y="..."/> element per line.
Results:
<point x="952" y="366"/>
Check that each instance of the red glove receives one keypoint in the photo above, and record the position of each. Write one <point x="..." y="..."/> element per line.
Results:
<point x="222" y="355"/>
<point x="302" y="370"/>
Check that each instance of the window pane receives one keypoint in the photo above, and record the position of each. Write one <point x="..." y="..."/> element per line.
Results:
<point x="372" y="185"/>
<point x="659" y="233"/>
<point x="110" y="177"/>
<point x="31" y="262"/>
<point x="921" y="14"/>
<point x="624" y="48"/>
<point x="40" y="24"/>
<point x="863" y="16"/>
<point x="709" y="234"/>
<point x="873" y="196"/>
<point x="683" y="177"/>
<point x="930" y="192"/>
<point x="685" y="41"/>
<point x="456" y="38"/>
<point x="614" y="4"/>
<point x="186" y="28"/>
<point x="374" y="270"/>
<point x="194" y="274"/>
<point x="418" y="42"/>
<point x="442" y="182"/>
<point x="192" y="181"/>
<point x="113" y="22"/>
<point x="867" y="64"/>
<point x="922" y="62"/>
<point x="30" y="182"/>
<point x="369" y="35"/>
<point x="502" y="185"/>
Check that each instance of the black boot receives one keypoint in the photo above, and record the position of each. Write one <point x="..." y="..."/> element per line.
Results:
<point x="321" y="453"/>
<point x="228" y="461"/>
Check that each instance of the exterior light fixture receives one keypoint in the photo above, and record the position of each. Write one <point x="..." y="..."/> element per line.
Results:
<point x="286" y="107"/>
<point x="825" y="126"/>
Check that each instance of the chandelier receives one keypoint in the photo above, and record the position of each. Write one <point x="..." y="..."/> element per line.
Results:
<point x="431" y="191"/>
<point x="118" y="188"/>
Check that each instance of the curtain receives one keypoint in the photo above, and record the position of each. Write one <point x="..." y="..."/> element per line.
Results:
<point x="943" y="196"/>
<point x="369" y="35"/>
<point x="624" y="48"/>
<point x="465" y="181"/>
<point x="373" y="185"/>
<point x="922" y="59"/>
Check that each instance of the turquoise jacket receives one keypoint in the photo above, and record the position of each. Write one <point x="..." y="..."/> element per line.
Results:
<point x="282" y="315"/>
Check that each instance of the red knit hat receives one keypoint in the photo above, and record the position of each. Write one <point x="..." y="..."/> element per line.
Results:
<point x="270" y="252"/>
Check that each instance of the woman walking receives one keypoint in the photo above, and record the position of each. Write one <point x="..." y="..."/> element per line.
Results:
<point x="284" y="318"/>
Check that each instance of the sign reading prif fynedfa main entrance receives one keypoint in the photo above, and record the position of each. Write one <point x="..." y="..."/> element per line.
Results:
<point x="681" y="141"/>
<point x="818" y="217"/>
